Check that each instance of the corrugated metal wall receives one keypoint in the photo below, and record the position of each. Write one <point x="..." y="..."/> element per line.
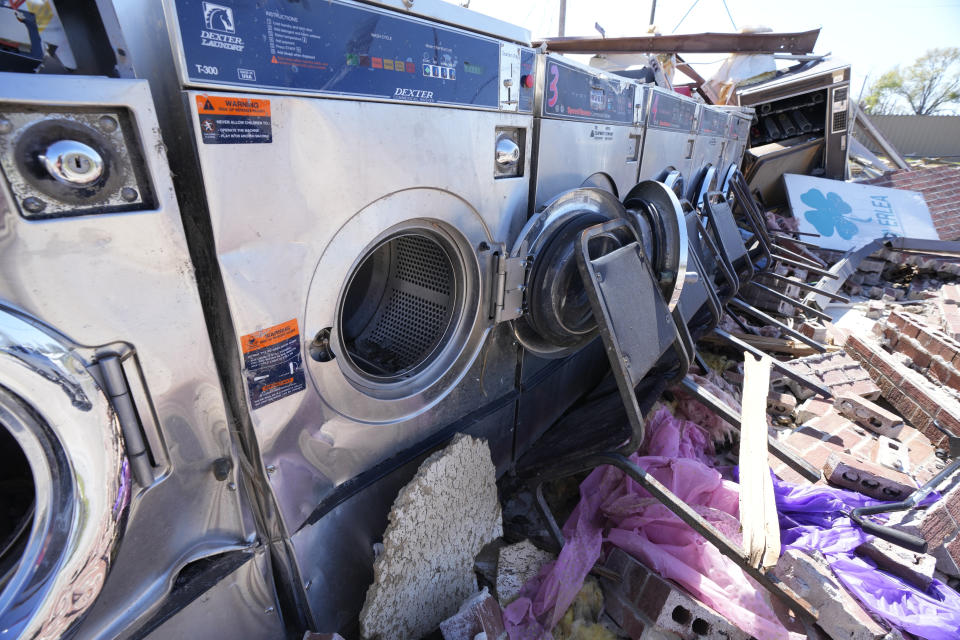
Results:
<point x="918" y="136"/>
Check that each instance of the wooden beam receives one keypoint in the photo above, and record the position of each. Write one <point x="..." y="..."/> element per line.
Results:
<point x="758" y="508"/>
<point x="871" y="130"/>
<point x="796" y="42"/>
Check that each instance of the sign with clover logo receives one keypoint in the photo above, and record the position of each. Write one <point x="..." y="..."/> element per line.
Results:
<point x="847" y="215"/>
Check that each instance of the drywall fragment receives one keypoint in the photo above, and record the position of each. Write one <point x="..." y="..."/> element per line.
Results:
<point x="438" y="523"/>
<point x="518" y="563"/>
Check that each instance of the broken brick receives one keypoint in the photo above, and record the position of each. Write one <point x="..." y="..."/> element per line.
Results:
<point x="838" y="613"/>
<point x="781" y="403"/>
<point x="868" y="478"/>
<point x="869" y="414"/>
<point x="915" y="568"/>
<point x="643" y="599"/>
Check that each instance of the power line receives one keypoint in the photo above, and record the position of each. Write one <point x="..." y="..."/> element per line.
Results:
<point x="695" y="3"/>
<point x="729" y="15"/>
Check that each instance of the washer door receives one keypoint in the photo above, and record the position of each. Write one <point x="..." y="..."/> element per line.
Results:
<point x="66" y="479"/>
<point x="558" y="318"/>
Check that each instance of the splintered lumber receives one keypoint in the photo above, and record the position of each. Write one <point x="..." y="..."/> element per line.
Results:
<point x="775" y="345"/>
<point x="758" y="509"/>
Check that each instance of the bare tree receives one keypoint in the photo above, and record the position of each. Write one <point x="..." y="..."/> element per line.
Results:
<point x="930" y="85"/>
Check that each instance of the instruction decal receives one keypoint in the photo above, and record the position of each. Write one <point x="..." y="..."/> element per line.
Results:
<point x="234" y="120"/>
<point x="273" y="363"/>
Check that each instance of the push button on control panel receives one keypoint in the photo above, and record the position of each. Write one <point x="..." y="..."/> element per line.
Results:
<point x="526" y="81"/>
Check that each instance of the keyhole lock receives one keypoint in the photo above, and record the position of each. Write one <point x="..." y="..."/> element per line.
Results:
<point x="73" y="163"/>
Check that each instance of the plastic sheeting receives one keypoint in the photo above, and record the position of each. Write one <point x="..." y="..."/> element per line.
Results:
<point x="639" y="524"/>
<point x="812" y="519"/>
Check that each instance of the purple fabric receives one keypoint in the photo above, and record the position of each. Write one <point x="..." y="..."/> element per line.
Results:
<point x="812" y="519"/>
<point x="639" y="524"/>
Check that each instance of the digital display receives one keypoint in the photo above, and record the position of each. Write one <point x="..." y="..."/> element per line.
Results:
<point x="475" y="69"/>
<point x="596" y="99"/>
<point x="577" y="94"/>
<point x="671" y="111"/>
<point x="712" y="122"/>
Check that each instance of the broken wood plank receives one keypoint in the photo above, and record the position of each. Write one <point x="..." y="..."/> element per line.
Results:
<point x="774" y="345"/>
<point x="758" y="509"/>
<point x="794" y="42"/>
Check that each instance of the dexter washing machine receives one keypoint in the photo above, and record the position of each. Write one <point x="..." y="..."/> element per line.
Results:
<point x="123" y="503"/>
<point x="365" y="172"/>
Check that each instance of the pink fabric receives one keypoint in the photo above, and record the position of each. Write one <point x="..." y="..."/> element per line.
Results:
<point x="638" y="524"/>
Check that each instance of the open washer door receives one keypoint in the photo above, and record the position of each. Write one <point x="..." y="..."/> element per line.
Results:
<point x="587" y="266"/>
<point x="582" y="268"/>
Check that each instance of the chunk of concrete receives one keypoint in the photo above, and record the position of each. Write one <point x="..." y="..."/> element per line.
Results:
<point x="479" y="614"/>
<point x="438" y="523"/>
<point x="516" y="564"/>
<point x="838" y="613"/>
<point x="868" y="478"/>
<point x="643" y="604"/>
<point x="915" y="568"/>
<point x="869" y="414"/>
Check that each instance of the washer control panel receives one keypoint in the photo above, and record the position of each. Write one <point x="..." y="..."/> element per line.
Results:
<point x="573" y="93"/>
<point x="669" y="110"/>
<point x="339" y="48"/>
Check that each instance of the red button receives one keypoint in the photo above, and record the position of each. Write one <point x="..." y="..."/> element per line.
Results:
<point x="527" y="81"/>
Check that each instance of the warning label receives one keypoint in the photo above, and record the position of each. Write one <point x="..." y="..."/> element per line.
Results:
<point x="273" y="363"/>
<point x="234" y="120"/>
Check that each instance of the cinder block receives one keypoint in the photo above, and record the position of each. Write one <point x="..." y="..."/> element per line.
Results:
<point x="870" y="415"/>
<point x="781" y="404"/>
<point x="838" y="614"/>
<point x="915" y="568"/>
<point x="870" y="479"/>
<point x="643" y="600"/>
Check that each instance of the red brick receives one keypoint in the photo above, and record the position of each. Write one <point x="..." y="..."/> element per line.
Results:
<point x="867" y="477"/>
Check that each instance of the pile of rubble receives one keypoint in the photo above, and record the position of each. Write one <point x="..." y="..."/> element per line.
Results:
<point x="464" y="561"/>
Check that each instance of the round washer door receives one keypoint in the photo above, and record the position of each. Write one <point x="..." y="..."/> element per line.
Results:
<point x="658" y="218"/>
<point x="67" y="483"/>
<point x="559" y="318"/>
<point x="397" y="305"/>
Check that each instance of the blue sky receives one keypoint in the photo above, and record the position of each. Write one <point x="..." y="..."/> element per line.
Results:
<point x="872" y="36"/>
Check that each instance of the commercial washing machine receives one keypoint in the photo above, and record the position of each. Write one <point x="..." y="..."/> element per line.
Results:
<point x="708" y="149"/>
<point x="669" y="137"/>
<point x="122" y="503"/>
<point x="360" y="172"/>
<point x="588" y="132"/>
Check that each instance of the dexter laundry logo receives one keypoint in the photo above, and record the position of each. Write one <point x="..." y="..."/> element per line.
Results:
<point x="413" y="94"/>
<point x="220" y="28"/>
<point x="831" y="212"/>
<point x="218" y="17"/>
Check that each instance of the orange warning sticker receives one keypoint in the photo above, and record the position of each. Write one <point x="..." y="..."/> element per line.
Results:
<point x="273" y="363"/>
<point x="270" y="336"/>
<point x="233" y="106"/>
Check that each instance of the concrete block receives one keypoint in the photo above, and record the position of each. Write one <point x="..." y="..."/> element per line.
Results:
<point x="642" y="600"/>
<point x="915" y="568"/>
<point x="868" y="478"/>
<point x="438" y="524"/>
<point x="479" y="614"/>
<point x="869" y="414"/>
<point x="838" y="613"/>
<point x="781" y="403"/>
<point x="516" y="564"/>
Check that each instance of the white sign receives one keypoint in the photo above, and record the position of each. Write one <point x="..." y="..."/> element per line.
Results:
<point x="848" y="215"/>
